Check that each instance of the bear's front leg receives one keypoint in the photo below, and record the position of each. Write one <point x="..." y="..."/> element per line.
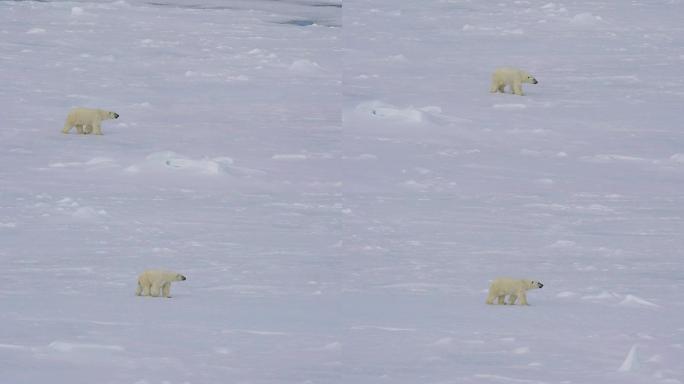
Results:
<point x="512" y="299"/>
<point x="96" y="129"/>
<point x="523" y="298"/>
<point x="517" y="89"/>
<point x="166" y="290"/>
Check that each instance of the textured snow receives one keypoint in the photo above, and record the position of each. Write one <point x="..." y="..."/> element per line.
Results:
<point x="340" y="195"/>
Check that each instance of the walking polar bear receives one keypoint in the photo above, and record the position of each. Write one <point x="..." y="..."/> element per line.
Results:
<point x="513" y="288"/>
<point x="155" y="282"/>
<point x="87" y="120"/>
<point x="511" y="77"/>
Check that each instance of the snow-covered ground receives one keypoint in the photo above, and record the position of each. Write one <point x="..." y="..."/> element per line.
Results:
<point x="578" y="184"/>
<point x="220" y="167"/>
<point x="340" y="194"/>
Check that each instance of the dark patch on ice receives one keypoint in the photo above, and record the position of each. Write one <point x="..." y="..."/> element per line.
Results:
<point x="222" y="7"/>
<point x="191" y="6"/>
<point x="335" y="5"/>
<point x="308" y="23"/>
<point x="303" y="21"/>
<point x="299" y="23"/>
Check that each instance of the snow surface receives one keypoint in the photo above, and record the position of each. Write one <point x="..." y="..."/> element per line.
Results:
<point x="339" y="196"/>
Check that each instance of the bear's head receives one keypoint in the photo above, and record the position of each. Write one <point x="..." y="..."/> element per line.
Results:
<point x="527" y="78"/>
<point x="106" y="115"/>
<point x="535" y="284"/>
<point x="180" y="277"/>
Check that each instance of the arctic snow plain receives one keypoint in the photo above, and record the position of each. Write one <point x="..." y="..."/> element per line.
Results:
<point x="339" y="194"/>
<point x="578" y="184"/>
<point x="218" y="168"/>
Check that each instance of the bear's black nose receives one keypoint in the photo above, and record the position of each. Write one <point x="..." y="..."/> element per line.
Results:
<point x="183" y="277"/>
<point x="116" y="115"/>
<point x="535" y="82"/>
<point x="540" y="285"/>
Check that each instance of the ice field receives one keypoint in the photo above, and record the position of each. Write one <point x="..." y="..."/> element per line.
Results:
<point x="339" y="187"/>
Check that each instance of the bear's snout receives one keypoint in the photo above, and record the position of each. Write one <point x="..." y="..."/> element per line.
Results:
<point x="116" y="115"/>
<point x="534" y="81"/>
<point x="540" y="285"/>
<point x="182" y="277"/>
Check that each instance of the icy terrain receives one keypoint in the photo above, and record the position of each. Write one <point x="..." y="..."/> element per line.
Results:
<point x="578" y="184"/>
<point x="342" y="239"/>
<point x="221" y="167"/>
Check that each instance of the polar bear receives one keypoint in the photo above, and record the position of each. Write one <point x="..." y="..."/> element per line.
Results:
<point x="512" y="77"/>
<point x="154" y="282"/>
<point x="87" y="120"/>
<point x="514" y="288"/>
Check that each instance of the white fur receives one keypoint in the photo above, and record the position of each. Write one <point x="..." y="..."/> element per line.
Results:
<point x="87" y="120"/>
<point x="511" y="77"/>
<point x="513" y="288"/>
<point x="155" y="282"/>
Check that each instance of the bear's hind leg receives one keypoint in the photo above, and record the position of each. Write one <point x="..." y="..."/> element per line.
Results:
<point x="143" y="289"/>
<point x="155" y="290"/>
<point x="146" y="290"/>
<point x="501" y="300"/>
<point x="512" y="299"/>
<point x="87" y="129"/>
<point x="166" y="289"/>
<point x="67" y="127"/>
<point x="494" y="87"/>
<point x="497" y="87"/>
